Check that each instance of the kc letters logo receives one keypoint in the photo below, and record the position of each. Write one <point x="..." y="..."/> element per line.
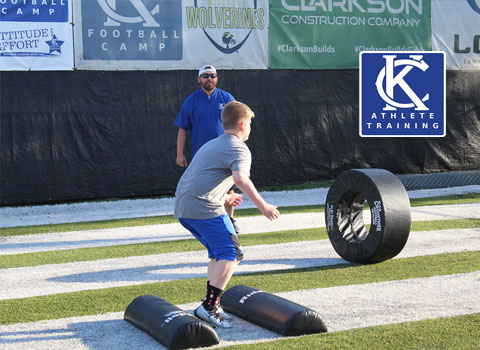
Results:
<point x="402" y="94"/>
<point x="132" y="29"/>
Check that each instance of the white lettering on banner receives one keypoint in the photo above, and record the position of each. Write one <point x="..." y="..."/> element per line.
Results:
<point x="35" y="11"/>
<point x="352" y="21"/>
<point x="376" y="6"/>
<point x="393" y="22"/>
<point x="306" y="49"/>
<point x="141" y="47"/>
<point x="411" y="115"/>
<point x="34" y="2"/>
<point x="129" y="33"/>
<point x="403" y="126"/>
<point x="360" y="48"/>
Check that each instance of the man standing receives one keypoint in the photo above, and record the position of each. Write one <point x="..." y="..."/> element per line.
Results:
<point x="199" y="204"/>
<point x="201" y="116"/>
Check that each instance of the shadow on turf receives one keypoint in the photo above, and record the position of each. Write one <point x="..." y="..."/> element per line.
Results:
<point x="167" y="272"/>
<point x="35" y="335"/>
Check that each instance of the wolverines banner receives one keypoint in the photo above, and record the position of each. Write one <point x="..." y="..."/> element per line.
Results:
<point x="171" y="34"/>
<point x="456" y="31"/>
<point x="329" y="34"/>
<point x="36" y="35"/>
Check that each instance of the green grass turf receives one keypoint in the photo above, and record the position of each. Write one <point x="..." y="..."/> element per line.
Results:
<point x="455" y="333"/>
<point x="94" y="225"/>
<point x="122" y="251"/>
<point x="100" y="301"/>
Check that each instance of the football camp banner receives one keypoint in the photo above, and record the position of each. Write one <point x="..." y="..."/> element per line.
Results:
<point x="456" y="31"/>
<point x="328" y="34"/>
<point x="36" y="35"/>
<point x="171" y="34"/>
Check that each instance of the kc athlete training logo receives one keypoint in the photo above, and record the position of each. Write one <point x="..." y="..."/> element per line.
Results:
<point x="402" y="94"/>
<point x="388" y="79"/>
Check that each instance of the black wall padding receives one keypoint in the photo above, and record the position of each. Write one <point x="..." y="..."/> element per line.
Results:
<point x="88" y="134"/>
<point x="168" y="324"/>
<point x="390" y="215"/>
<point x="270" y="311"/>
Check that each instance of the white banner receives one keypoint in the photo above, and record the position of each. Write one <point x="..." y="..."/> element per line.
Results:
<point x="171" y="34"/>
<point x="36" y="35"/>
<point x="456" y="31"/>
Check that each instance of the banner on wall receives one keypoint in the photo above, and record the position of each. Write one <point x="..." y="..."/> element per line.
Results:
<point x="456" y="31"/>
<point x="331" y="34"/>
<point x="171" y="34"/>
<point x="36" y="35"/>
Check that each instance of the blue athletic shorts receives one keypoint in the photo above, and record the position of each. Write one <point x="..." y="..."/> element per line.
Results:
<point x="217" y="235"/>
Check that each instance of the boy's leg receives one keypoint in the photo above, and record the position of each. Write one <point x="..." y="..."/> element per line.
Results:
<point x="220" y="272"/>
<point x="225" y="252"/>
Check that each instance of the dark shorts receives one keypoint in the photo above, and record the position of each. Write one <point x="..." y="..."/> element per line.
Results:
<point x="217" y="235"/>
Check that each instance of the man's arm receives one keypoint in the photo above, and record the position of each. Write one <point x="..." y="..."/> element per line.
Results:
<point x="181" y="139"/>
<point x="247" y="187"/>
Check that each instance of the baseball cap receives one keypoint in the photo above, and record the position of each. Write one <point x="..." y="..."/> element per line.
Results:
<point x="207" y="69"/>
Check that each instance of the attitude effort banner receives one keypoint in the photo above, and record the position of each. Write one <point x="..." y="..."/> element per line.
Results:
<point x="456" y="31"/>
<point x="171" y="34"/>
<point x="36" y="35"/>
<point x="326" y="34"/>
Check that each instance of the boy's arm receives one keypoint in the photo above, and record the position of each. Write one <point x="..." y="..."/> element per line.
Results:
<point x="247" y="187"/>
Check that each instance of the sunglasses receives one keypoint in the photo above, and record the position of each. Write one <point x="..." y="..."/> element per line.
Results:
<point x="206" y="75"/>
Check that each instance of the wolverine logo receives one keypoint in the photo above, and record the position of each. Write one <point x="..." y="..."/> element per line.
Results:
<point x="227" y="28"/>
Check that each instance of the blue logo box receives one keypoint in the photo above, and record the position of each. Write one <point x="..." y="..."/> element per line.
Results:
<point x="402" y="94"/>
<point x="132" y="30"/>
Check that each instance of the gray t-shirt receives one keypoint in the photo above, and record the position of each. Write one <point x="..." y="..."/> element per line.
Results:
<point x="202" y="187"/>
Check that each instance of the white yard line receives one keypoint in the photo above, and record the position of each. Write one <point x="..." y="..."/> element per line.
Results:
<point x="341" y="308"/>
<point x="93" y="211"/>
<point x="77" y="276"/>
<point x="166" y="232"/>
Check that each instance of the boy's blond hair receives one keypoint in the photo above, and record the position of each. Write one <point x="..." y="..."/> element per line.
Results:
<point x="234" y="113"/>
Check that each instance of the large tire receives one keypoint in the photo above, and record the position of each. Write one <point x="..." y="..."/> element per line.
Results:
<point x="390" y="215"/>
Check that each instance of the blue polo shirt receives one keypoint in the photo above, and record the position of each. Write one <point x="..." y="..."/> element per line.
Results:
<point x="201" y="115"/>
